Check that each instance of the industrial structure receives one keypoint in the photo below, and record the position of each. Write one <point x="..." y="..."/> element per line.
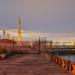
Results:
<point x="19" y="31"/>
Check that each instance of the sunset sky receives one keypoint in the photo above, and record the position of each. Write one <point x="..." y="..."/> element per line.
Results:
<point x="54" y="18"/>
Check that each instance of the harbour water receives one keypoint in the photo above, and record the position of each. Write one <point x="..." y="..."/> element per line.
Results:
<point x="69" y="57"/>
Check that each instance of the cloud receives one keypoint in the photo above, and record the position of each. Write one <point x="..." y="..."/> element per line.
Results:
<point x="52" y="15"/>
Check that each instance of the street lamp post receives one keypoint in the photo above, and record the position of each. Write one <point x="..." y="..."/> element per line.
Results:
<point x="39" y="45"/>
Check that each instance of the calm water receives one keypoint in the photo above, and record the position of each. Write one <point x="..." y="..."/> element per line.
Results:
<point x="69" y="57"/>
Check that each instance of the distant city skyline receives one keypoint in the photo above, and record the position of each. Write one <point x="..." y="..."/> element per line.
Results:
<point x="32" y="35"/>
<point x="54" y="18"/>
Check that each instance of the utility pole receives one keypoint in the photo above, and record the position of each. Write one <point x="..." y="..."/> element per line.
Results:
<point x="45" y="45"/>
<point x="13" y="43"/>
<point x="51" y="46"/>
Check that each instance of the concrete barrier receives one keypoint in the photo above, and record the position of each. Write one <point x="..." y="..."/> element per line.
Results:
<point x="72" y="68"/>
<point x="63" y="63"/>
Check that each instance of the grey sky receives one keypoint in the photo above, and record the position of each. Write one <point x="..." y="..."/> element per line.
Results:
<point x="39" y="15"/>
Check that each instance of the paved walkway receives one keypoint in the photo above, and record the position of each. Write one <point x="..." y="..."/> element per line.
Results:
<point x="30" y="64"/>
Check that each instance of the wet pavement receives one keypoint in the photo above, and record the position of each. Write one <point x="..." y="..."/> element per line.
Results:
<point x="30" y="64"/>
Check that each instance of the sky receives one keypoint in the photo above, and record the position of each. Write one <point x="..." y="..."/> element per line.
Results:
<point x="56" y="18"/>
